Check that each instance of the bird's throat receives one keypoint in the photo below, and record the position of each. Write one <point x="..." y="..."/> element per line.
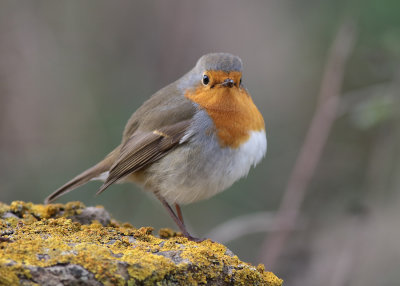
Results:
<point x="232" y="111"/>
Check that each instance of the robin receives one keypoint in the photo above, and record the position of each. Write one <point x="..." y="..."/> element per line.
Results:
<point x="191" y="140"/>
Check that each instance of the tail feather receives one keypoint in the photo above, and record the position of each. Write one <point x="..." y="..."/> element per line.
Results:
<point x="83" y="178"/>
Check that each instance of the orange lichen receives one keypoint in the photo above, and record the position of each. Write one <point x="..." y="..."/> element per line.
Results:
<point x="44" y="236"/>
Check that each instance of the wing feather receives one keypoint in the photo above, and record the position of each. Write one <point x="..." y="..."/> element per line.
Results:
<point x="144" y="148"/>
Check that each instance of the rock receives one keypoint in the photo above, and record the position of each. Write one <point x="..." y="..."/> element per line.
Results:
<point x="76" y="245"/>
<point x="90" y="214"/>
<point x="69" y="274"/>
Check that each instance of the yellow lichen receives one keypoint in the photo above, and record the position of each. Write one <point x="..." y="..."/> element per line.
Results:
<point x="43" y="235"/>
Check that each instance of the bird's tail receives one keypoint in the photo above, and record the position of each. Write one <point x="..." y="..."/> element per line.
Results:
<point x="91" y="173"/>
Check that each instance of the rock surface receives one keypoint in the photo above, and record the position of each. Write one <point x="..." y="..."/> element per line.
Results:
<point x="76" y="245"/>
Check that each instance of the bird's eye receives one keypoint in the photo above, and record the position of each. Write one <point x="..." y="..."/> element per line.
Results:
<point x="206" y="79"/>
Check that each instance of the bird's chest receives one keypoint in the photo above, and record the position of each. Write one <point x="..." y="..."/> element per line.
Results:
<point x="202" y="167"/>
<point x="220" y="166"/>
<point x="232" y="112"/>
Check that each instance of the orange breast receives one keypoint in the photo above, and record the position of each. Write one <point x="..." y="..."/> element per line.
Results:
<point x="232" y="111"/>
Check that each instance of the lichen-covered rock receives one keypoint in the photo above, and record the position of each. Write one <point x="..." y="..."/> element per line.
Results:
<point x="74" y="245"/>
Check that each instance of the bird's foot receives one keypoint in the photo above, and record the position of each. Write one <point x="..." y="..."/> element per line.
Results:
<point x="195" y="239"/>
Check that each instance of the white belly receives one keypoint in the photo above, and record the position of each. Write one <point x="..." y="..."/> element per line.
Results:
<point x="195" y="172"/>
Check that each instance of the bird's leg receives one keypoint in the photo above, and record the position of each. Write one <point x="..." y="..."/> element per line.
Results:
<point x="177" y="220"/>
<point x="179" y="213"/>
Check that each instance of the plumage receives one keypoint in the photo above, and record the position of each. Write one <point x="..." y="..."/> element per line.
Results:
<point x="84" y="177"/>
<point x="189" y="141"/>
<point x="144" y="148"/>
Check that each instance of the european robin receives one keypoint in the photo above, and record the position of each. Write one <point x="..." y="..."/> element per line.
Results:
<point x="191" y="140"/>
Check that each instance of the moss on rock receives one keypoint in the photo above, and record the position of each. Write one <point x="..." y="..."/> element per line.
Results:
<point x="74" y="245"/>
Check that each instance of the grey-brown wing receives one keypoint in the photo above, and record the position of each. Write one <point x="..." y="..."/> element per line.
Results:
<point x="144" y="148"/>
<point x="166" y="107"/>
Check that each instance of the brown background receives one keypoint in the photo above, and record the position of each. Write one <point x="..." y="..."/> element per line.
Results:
<point x="72" y="72"/>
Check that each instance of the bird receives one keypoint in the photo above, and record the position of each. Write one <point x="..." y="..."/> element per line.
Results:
<point x="189" y="141"/>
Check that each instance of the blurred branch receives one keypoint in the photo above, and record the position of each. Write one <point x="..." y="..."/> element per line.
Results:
<point x="242" y="225"/>
<point x="377" y="181"/>
<point x="314" y="143"/>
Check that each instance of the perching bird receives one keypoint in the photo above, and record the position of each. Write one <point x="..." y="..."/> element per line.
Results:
<point x="191" y="140"/>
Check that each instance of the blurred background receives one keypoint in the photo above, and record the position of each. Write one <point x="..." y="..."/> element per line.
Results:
<point x="72" y="73"/>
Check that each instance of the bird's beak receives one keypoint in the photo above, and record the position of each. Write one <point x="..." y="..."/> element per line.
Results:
<point x="228" y="82"/>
